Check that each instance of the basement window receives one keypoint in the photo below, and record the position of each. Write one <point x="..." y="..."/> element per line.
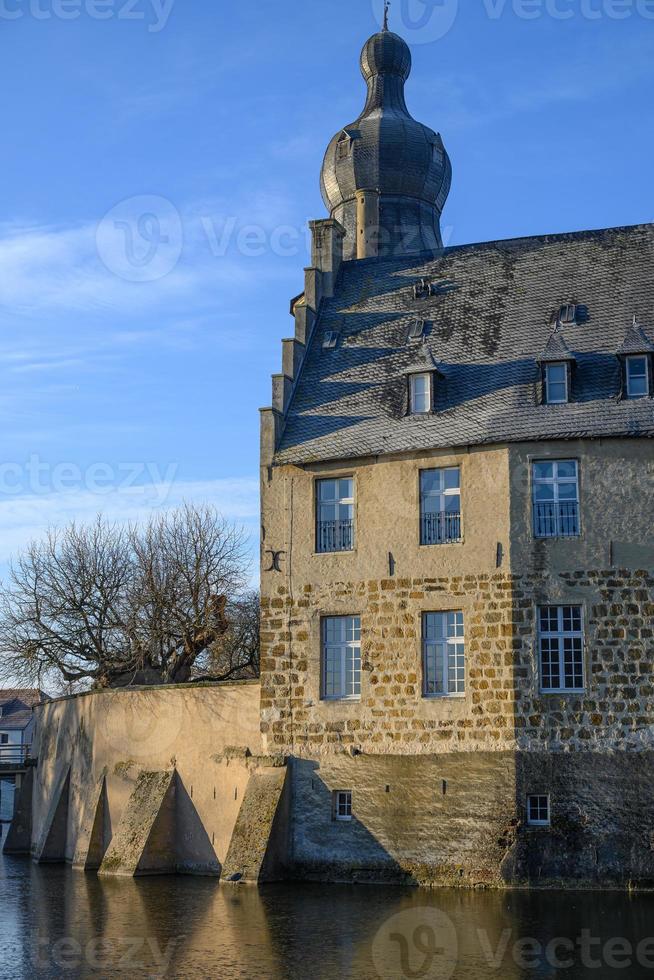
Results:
<point x="342" y="805"/>
<point x="538" y="811"/>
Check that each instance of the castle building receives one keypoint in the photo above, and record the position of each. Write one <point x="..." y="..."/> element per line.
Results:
<point x="458" y="544"/>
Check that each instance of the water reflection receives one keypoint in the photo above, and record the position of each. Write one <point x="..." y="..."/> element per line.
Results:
<point x="56" y="922"/>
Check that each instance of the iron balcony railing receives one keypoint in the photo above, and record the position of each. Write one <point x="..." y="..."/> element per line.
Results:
<point x="14" y="755"/>
<point x="335" y="536"/>
<point x="440" y="528"/>
<point x="556" y="519"/>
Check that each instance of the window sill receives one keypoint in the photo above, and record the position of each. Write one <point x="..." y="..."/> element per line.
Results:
<point x="557" y="537"/>
<point x="444" y="697"/>
<point x="572" y="691"/>
<point x="441" y="544"/>
<point x="352" y="700"/>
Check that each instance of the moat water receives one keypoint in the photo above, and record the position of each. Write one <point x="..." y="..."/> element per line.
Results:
<point x="58" y="923"/>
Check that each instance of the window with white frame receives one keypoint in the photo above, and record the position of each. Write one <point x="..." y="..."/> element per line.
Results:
<point x="637" y="377"/>
<point x="555" y="488"/>
<point x="556" y="383"/>
<point x="342" y="804"/>
<point x="538" y="811"/>
<point x="335" y="515"/>
<point x="440" y="505"/>
<point x="444" y="665"/>
<point x="341" y="657"/>
<point x="561" y="642"/>
<point x="420" y="399"/>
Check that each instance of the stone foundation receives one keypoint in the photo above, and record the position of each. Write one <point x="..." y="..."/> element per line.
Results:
<point x="460" y="820"/>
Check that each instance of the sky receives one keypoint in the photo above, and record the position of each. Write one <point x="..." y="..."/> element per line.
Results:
<point x="159" y="162"/>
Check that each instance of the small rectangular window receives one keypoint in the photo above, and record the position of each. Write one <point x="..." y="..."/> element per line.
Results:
<point x="420" y="394"/>
<point x="342" y="804"/>
<point x="538" y="811"/>
<point x="637" y="377"/>
<point x="341" y="643"/>
<point x="444" y="666"/>
<point x="568" y="314"/>
<point x="330" y="340"/>
<point x="440" y="506"/>
<point x="4" y="738"/>
<point x="416" y="329"/>
<point x="561" y="642"/>
<point x="335" y="515"/>
<point x="556" y="383"/>
<point x="555" y="490"/>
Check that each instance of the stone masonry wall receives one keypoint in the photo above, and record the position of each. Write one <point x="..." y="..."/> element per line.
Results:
<point x="502" y="707"/>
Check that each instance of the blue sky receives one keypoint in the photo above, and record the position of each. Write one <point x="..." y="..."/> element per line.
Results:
<point x="158" y="167"/>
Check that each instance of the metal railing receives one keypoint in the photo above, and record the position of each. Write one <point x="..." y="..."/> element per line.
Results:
<point x="13" y="756"/>
<point x="335" y="536"/>
<point x="440" y="528"/>
<point x="554" y="519"/>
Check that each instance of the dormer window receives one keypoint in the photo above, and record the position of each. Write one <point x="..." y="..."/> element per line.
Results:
<point x="417" y="329"/>
<point x="420" y="393"/>
<point x="330" y="340"/>
<point x="568" y="314"/>
<point x="638" y="380"/>
<point x="343" y="147"/>
<point x="556" y="383"/>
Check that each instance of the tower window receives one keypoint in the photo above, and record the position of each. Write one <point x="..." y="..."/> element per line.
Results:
<point x="538" y="811"/>
<point x="420" y="394"/>
<point x="638" y="377"/>
<point x="556" y="383"/>
<point x="343" y="148"/>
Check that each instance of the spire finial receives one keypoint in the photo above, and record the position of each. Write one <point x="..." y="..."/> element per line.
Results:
<point x="387" y="7"/>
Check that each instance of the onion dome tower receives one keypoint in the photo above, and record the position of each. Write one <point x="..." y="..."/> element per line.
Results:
<point x="386" y="177"/>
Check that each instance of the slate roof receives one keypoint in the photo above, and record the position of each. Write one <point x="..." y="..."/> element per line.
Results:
<point x="636" y="342"/>
<point x="17" y="704"/>
<point x="556" y="349"/>
<point x="486" y="331"/>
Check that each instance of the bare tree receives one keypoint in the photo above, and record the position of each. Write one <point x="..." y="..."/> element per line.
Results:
<point x="235" y="655"/>
<point x="108" y="605"/>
